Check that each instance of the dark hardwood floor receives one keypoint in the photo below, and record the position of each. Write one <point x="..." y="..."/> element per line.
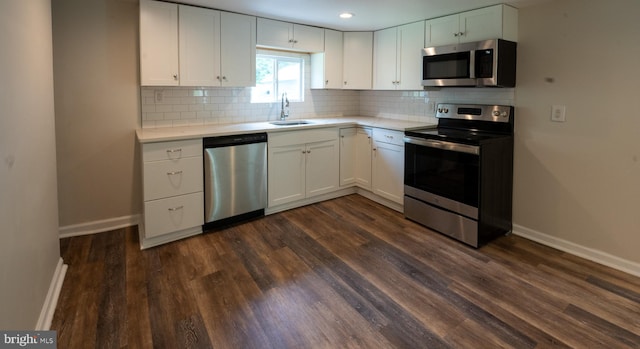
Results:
<point x="345" y="273"/>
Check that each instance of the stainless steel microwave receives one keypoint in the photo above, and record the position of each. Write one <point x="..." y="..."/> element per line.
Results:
<point x="490" y="63"/>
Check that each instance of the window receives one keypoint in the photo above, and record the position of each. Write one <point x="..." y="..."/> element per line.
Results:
<point x="276" y="75"/>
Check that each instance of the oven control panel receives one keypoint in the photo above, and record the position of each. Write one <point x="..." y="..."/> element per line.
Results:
<point x="479" y="112"/>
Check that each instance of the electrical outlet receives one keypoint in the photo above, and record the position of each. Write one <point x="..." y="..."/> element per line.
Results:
<point x="558" y="113"/>
<point x="431" y="107"/>
<point x="158" y="95"/>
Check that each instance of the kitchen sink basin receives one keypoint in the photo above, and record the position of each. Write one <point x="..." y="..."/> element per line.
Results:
<point x="289" y="122"/>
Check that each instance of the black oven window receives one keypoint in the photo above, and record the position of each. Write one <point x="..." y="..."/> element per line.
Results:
<point x="446" y="173"/>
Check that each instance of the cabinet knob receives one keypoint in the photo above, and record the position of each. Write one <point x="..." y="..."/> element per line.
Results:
<point x="326" y="82"/>
<point x="218" y="77"/>
<point x="345" y="82"/>
<point x="175" y="77"/>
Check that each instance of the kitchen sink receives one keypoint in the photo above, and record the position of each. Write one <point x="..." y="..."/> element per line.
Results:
<point x="289" y="122"/>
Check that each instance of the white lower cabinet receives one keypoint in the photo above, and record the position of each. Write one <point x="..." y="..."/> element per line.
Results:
<point x="347" y="156"/>
<point x="302" y="164"/>
<point x="373" y="159"/>
<point x="388" y="165"/>
<point x="172" y="191"/>
<point x="364" y="147"/>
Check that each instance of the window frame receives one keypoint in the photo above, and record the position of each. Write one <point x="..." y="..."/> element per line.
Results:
<point x="276" y="84"/>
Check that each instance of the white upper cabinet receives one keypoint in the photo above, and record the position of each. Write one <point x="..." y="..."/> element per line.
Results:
<point x="358" y="60"/>
<point x="238" y="50"/>
<point x="384" y="59"/>
<point x="159" y="43"/>
<point x="214" y="48"/>
<point x="397" y="59"/>
<point x="199" y="37"/>
<point x="495" y="22"/>
<point x="290" y="36"/>
<point x="326" y="67"/>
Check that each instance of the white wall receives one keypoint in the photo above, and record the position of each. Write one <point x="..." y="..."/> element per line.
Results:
<point x="29" y="251"/>
<point x="579" y="181"/>
<point x="95" y="46"/>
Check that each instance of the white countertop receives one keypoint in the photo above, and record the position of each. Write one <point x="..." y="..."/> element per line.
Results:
<point x="150" y="135"/>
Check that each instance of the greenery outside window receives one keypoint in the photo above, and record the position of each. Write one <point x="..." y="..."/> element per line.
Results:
<point x="276" y="75"/>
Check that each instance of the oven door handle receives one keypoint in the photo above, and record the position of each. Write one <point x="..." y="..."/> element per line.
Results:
<point x="458" y="147"/>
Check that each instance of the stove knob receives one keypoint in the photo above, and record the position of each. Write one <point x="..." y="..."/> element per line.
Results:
<point x="496" y="113"/>
<point x="439" y="110"/>
<point x="445" y="110"/>
<point x="504" y="114"/>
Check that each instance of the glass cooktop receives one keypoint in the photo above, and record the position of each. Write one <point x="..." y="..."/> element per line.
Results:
<point x="455" y="135"/>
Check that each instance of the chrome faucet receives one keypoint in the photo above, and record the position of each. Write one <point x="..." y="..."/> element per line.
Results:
<point x="284" y="113"/>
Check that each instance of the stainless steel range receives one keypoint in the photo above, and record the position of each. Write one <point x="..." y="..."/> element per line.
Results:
<point x="459" y="175"/>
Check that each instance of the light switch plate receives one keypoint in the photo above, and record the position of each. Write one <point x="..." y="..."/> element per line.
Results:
<point x="558" y="113"/>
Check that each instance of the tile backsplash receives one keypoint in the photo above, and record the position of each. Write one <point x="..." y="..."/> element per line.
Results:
<point x="183" y="106"/>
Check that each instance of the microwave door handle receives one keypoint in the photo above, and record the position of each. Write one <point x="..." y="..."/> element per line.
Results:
<point x="457" y="147"/>
<point x="472" y="64"/>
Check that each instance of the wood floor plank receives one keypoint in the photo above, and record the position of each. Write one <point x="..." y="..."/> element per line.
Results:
<point x="137" y="301"/>
<point x="344" y="273"/>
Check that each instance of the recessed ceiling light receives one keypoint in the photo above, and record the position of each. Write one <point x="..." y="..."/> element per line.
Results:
<point x="346" y="15"/>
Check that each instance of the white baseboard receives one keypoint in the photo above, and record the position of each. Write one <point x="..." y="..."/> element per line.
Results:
<point x="594" y="255"/>
<point x="50" y="302"/>
<point x="98" y="226"/>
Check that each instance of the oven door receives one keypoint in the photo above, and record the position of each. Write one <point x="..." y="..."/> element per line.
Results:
<point x="444" y="174"/>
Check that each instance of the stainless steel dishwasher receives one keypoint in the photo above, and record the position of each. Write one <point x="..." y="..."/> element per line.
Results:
<point x="235" y="178"/>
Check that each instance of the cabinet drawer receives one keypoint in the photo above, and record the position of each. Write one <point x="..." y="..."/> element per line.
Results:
<point x="172" y="177"/>
<point x="171" y="150"/>
<point x="388" y="136"/>
<point x="173" y="214"/>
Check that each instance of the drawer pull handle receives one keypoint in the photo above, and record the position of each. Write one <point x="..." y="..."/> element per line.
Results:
<point x="174" y="150"/>
<point x="172" y="173"/>
<point x="173" y="209"/>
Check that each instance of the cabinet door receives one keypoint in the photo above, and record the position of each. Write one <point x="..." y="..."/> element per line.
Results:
<point x="388" y="171"/>
<point x="307" y="38"/>
<point x="442" y="31"/>
<point x="384" y="59"/>
<point x="274" y="34"/>
<point x="410" y="44"/>
<point x="322" y="168"/>
<point x="481" y="24"/>
<point x="326" y="67"/>
<point x="199" y="46"/>
<point x="363" y="158"/>
<point x="238" y="50"/>
<point x="358" y="60"/>
<point x="158" y="43"/>
<point x="347" y="156"/>
<point x="286" y="174"/>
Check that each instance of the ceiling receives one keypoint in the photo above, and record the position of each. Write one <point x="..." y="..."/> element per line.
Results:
<point x="369" y="14"/>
